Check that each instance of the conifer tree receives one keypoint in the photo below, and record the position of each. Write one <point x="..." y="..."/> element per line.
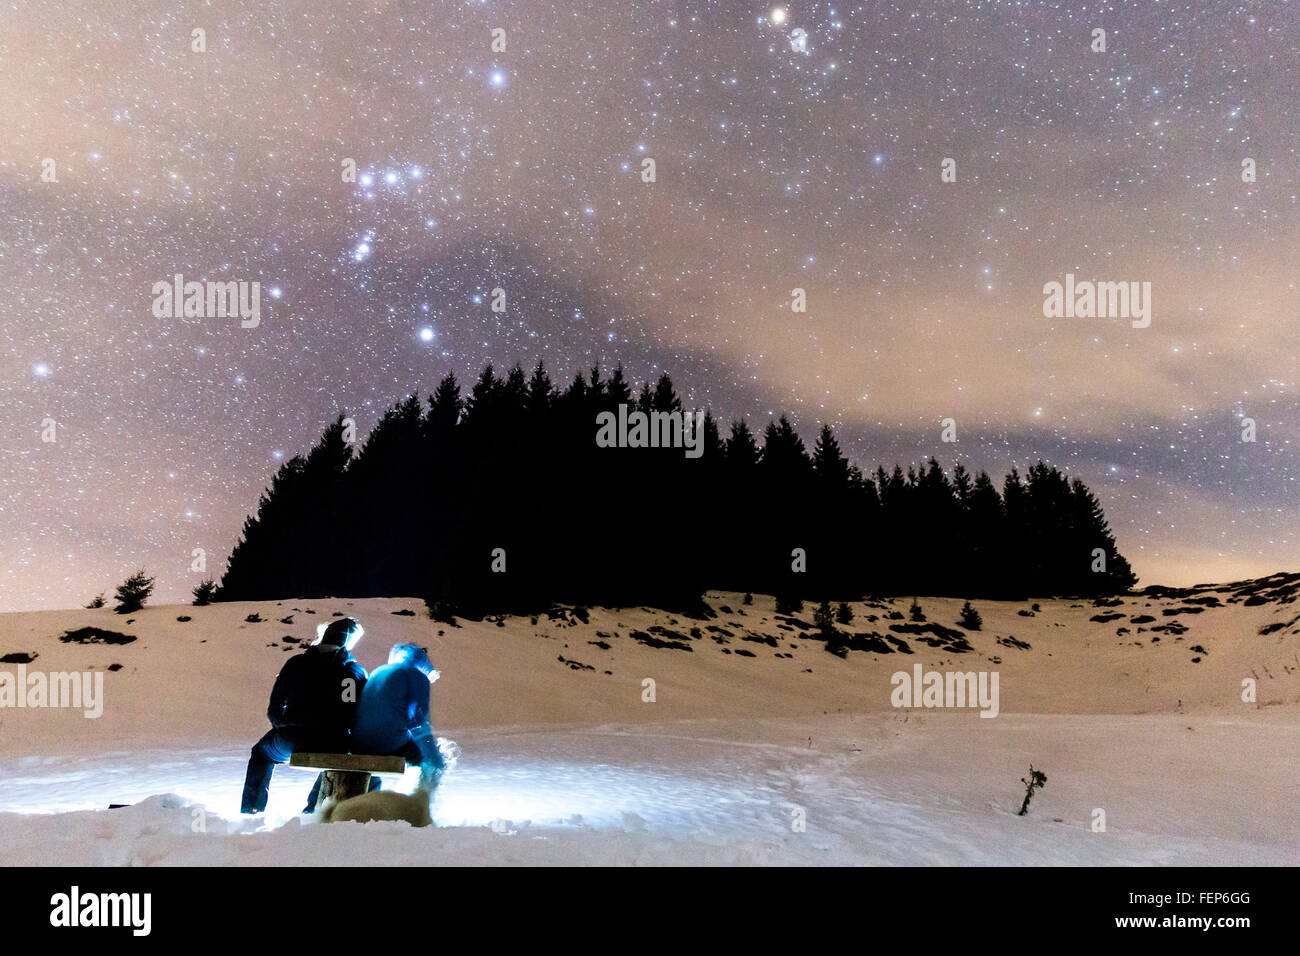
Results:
<point x="970" y="618"/>
<point x="617" y="390"/>
<point x="829" y="463"/>
<point x="436" y="490"/>
<point x="824" y="617"/>
<point x="133" y="592"/>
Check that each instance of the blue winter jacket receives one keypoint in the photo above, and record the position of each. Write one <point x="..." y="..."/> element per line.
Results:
<point x="394" y="702"/>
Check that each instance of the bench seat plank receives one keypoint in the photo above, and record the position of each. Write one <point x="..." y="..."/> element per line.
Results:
<point x="358" y="763"/>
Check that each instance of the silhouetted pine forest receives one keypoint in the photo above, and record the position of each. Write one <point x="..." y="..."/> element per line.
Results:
<point x="438" y="485"/>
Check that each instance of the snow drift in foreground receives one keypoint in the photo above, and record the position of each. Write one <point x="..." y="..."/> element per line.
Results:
<point x="769" y="759"/>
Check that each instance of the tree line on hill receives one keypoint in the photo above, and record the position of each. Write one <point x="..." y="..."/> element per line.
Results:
<point x="501" y="501"/>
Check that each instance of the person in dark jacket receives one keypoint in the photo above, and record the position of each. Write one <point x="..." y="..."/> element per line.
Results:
<point x="393" y="716"/>
<point x="313" y="707"/>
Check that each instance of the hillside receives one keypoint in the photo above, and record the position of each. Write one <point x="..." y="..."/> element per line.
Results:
<point x="1133" y="705"/>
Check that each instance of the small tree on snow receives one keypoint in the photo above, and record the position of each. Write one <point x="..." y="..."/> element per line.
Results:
<point x="133" y="592"/>
<point x="204" y="593"/>
<point x="915" y="611"/>
<point x="844" y="614"/>
<point x="824" y="617"/>
<point x="96" y="601"/>
<point x="970" y="618"/>
<point x="788" y="604"/>
<point x="1035" y="780"/>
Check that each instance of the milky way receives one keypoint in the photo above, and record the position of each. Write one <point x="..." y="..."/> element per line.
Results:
<point x="782" y="160"/>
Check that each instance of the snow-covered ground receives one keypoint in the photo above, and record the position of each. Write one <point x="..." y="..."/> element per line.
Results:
<point x="766" y="759"/>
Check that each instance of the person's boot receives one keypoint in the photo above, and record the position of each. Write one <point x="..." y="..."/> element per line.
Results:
<point x="430" y="777"/>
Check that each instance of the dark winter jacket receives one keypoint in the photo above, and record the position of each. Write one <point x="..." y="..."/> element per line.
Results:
<point x="395" y="704"/>
<point x="313" y="692"/>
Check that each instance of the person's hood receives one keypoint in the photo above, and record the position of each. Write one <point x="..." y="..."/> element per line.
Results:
<point x="432" y="676"/>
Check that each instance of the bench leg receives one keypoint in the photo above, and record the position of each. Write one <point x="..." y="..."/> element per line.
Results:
<point x="341" y="784"/>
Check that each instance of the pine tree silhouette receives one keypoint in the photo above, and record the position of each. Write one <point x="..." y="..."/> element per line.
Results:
<point x="500" y="500"/>
<point x="970" y="618"/>
<point x="284" y="548"/>
<point x="133" y="592"/>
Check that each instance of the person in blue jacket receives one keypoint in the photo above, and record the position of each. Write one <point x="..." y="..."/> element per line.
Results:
<point x="313" y="707"/>
<point x="393" y="715"/>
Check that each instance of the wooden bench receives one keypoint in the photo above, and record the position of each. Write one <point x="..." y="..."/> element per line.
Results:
<point x="346" y="775"/>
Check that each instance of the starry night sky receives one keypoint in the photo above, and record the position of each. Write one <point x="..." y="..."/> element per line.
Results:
<point x="522" y="169"/>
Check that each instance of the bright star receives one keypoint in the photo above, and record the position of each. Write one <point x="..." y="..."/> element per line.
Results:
<point x="497" y="78"/>
<point x="426" y="334"/>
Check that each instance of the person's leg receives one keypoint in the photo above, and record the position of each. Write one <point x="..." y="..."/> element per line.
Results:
<point x="424" y="749"/>
<point x="272" y="749"/>
<point x="315" y="794"/>
<point x="430" y="777"/>
<point x="423" y="754"/>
